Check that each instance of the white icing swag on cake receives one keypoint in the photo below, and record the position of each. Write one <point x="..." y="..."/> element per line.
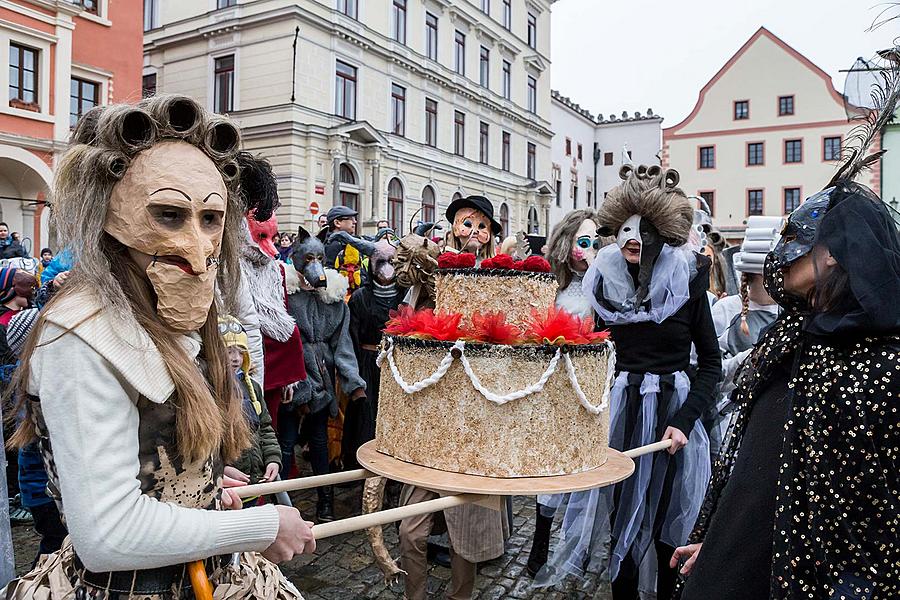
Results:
<point x="444" y="366"/>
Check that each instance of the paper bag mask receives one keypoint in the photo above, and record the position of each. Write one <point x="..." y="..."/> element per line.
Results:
<point x="170" y="207"/>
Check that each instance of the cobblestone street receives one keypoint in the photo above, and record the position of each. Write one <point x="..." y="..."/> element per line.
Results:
<point x="343" y="567"/>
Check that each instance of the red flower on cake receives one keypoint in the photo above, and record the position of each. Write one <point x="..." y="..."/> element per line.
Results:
<point x="518" y="265"/>
<point x="453" y="260"/>
<point x="560" y="328"/>
<point x="501" y="261"/>
<point x="492" y="328"/>
<point x="536" y="264"/>
<point x="425" y="324"/>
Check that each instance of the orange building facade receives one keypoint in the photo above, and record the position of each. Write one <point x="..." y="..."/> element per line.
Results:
<point x="60" y="59"/>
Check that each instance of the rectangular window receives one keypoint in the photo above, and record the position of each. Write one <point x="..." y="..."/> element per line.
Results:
<point x="431" y="107"/>
<point x="400" y="21"/>
<point x="580" y="152"/>
<point x="83" y="96"/>
<point x="507" y="80"/>
<point x="741" y="110"/>
<point x="710" y="198"/>
<point x="793" y="151"/>
<point x="483" y="143"/>
<point x="151" y="14"/>
<point x="532" y="30"/>
<point x="575" y="196"/>
<point x="568" y="147"/>
<point x="506" y="151"/>
<point x="507" y="14"/>
<point x="431" y="36"/>
<point x="223" y="81"/>
<point x="398" y="109"/>
<point x="486" y="6"/>
<point x="707" y="157"/>
<point x="345" y="91"/>
<point x="23" y="76"/>
<point x="832" y="148"/>
<point x="532" y="94"/>
<point x="225" y="3"/>
<point x="460" y="52"/>
<point x="88" y="5"/>
<point x="349" y="8"/>
<point x="559" y="192"/>
<point x="754" y="202"/>
<point x="531" y="165"/>
<point x="485" y="67"/>
<point x="785" y="106"/>
<point x="459" y="134"/>
<point x="148" y="85"/>
<point x="755" y="154"/>
<point x="590" y="194"/>
<point x="791" y="199"/>
<point x="607" y="159"/>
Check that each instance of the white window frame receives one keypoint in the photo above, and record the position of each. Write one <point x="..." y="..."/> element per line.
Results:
<point x="94" y="75"/>
<point x="211" y="78"/>
<point x="17" y="34"/>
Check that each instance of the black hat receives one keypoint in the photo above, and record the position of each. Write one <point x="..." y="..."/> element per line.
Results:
<point x="479" y="203"/>
<point x="339" y="211"/>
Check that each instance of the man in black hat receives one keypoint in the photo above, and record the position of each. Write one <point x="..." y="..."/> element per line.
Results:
<point x="472" y="226"/>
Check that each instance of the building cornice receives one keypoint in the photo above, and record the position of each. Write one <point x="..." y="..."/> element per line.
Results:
<point x="599" y="120"/>
<point x="410" y="60"/>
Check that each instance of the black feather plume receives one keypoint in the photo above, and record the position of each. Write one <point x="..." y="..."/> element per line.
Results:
<point x="856" y="156"/>
<point x="259" y="189"/>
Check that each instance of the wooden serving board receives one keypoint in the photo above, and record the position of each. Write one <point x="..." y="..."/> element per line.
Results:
<point x="617" y="468"/>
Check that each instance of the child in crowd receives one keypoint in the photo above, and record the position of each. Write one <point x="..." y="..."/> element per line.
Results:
<point x="262" y="460"/>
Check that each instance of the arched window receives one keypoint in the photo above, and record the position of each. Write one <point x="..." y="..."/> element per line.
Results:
<point x="533" y="225"/>
<point x="504" y="219"/>
<point x="395" y="206"/>
<point x="349" y="188"/>
<point x="456" y="196"/>
<point x="428" y="205"/>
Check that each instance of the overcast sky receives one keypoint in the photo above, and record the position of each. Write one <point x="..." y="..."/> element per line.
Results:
<point x="611" y="56"/>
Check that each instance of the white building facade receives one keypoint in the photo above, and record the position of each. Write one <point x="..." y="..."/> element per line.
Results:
<point x="588" y="152"/>
<point x="389" y="106"/>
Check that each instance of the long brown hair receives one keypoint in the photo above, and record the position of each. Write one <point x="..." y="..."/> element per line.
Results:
<point x="209" y="419"/>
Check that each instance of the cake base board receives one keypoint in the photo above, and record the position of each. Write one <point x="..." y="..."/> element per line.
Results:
<point x="618" y="467"/>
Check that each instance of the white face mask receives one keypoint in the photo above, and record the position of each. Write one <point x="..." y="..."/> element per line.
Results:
<point x="584" y="247"/>
<point x="630" y="230"/>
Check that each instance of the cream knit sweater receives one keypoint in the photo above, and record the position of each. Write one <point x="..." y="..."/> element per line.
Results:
<point x="88" y="380"/>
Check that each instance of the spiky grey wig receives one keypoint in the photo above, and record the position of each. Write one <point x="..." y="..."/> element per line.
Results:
<point x="102" y="146"/>
<point x="559" y="246"/>
<point x="652" y="193"/>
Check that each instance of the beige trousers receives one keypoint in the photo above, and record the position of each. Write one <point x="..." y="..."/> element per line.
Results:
<point x="414" y="533"/>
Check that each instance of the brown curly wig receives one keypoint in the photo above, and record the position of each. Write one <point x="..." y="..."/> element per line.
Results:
<point x="652" y="193"/>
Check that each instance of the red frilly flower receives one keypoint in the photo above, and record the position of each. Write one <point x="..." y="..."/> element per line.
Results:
<point x="559" y="328"/>
<point x="425" y="324"/>
<point x="452" y="260"/>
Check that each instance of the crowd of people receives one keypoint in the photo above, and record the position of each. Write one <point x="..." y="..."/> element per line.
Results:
<point x="145" y="383"/>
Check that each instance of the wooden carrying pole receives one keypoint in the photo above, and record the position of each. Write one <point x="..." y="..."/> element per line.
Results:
<point x="305" y="483"/>
<point x="377" y="519"/>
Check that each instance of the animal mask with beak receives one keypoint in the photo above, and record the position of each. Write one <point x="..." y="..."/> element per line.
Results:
<point x="169" y="210"/>
<point x="263" y="234"/>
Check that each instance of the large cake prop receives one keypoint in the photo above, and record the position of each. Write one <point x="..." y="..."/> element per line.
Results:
<point x="513" y="388"/>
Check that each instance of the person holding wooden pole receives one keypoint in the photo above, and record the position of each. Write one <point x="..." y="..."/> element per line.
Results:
<point x="125" y="380"/>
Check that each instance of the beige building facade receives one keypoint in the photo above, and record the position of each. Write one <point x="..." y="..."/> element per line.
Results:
<point x="765" y="134"/>
<point x="390" y="106"/>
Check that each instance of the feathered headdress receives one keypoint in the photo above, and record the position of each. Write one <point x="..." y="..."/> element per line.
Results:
<point x="885" y="96"/>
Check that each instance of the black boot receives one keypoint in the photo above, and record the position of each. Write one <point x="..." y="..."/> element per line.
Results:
<point x="540" y="547"/>
<point x="325" y="505"/>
